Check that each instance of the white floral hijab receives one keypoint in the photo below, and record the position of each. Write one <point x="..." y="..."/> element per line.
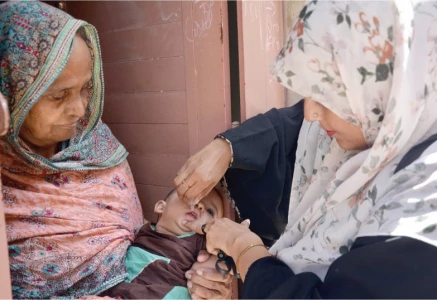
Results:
<point x="373" y="63"/>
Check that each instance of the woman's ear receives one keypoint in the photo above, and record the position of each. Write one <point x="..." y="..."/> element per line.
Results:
<point x="312" y="110"/>
<point x="159" y="207"/>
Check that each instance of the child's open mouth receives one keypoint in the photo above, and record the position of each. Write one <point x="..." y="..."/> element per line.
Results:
<point x="192" y="215"/>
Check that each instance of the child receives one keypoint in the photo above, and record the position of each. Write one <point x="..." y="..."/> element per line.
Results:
<point x="161" y="254"/>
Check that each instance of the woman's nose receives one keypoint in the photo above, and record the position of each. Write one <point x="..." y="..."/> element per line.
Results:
<point x="312" y="110"/>
<point x="78" y="106"/>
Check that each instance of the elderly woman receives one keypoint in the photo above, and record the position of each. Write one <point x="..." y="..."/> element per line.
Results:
<point x="69" y="198"/>
<point x="363" y="206"/>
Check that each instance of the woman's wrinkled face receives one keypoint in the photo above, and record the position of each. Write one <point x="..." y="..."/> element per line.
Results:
<point x="54" y="117"/>
<point x="348" y="136"/>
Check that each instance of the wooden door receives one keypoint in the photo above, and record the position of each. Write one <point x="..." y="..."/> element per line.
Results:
<point x="260" y="26"/>
<point x="167" y="82"/>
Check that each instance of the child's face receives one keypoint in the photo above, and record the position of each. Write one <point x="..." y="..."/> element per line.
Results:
<point x="174" y="211"/>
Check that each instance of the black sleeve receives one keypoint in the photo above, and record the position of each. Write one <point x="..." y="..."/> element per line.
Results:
<point x="375" y="267"/>
<point x="259" y="180"/>
<point x="274" y="132"/>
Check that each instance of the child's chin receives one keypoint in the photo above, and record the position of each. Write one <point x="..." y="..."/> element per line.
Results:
<point x="185" y="229"/>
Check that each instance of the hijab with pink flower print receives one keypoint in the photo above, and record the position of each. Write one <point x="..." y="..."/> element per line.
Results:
<point x="374" y="64"/>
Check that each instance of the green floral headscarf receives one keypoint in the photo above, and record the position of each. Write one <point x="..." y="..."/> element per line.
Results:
<point x="35" y="45"/>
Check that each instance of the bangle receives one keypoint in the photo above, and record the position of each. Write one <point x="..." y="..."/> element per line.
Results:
<point x="247" y="249"/>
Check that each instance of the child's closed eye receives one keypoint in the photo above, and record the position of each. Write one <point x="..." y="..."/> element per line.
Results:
<point x="211" y="212"/>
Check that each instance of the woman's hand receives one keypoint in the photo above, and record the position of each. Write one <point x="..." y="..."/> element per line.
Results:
<point x="233" y="239"/>
<point x="205" y="282"/>
<point x="227" y="235"/>
<point x="202" y="171"/>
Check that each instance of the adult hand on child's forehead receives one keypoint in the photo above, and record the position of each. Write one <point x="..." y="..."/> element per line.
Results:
<point x="201" y="173"/>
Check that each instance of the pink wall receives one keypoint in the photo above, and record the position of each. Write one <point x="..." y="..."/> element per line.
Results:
<point x="205" y="25"/>
<point x="260" y="40"/>
<point x="166" y="79"/>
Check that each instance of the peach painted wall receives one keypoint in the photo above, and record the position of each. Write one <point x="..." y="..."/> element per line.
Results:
<point x="166" y="79"/>
<point x="260" y="40"/>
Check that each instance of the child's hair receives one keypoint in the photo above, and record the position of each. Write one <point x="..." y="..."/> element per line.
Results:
<point x="169" y="194"/>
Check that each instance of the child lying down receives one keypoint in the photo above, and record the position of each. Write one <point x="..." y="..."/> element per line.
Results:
<point x="161" y="254"/>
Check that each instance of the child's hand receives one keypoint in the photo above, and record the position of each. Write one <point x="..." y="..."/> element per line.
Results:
<point x="205" y="282"/>
<point x="204" y="260"/>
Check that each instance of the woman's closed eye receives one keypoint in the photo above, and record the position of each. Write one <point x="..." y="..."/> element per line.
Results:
<point x="58" y="96"/>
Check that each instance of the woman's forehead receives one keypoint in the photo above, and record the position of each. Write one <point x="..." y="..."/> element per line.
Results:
<point x="79" y="65"/>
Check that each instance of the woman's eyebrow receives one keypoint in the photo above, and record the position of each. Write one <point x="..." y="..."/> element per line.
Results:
<point x="63" y="87"/>
<point x="55" y="90"/>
